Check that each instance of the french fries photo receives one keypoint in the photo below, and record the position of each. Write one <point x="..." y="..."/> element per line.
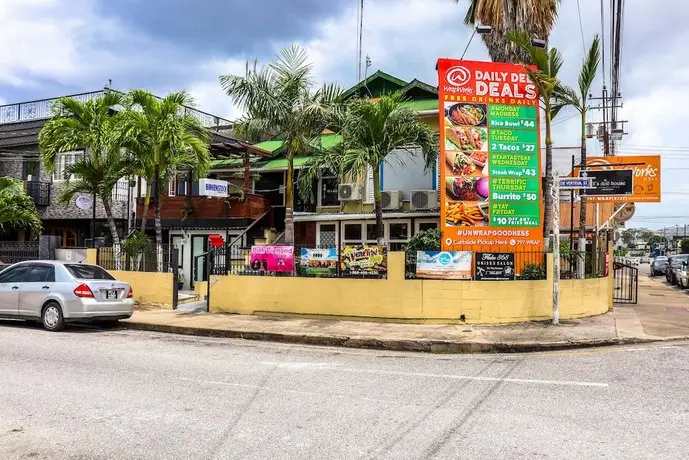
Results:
<point x="463" y="214"/>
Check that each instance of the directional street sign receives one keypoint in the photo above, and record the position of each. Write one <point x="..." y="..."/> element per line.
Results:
<point x="570" y="183"/>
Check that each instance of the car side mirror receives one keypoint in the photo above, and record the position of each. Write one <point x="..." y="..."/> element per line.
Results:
<point x="684" y="264"/>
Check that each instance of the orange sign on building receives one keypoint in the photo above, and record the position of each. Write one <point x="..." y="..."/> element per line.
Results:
<point x="645" y="178"/>
<point x="490" y="167"/>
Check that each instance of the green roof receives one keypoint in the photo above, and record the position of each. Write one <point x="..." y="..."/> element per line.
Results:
<point x="229" y="162"/>
<point x="281" y="163"/>
<point x="388" y="82"/>
<point x="419" y="105"/>
<point x="269" y="146"/>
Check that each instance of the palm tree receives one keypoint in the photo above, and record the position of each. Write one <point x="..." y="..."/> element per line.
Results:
<point x="17" y="209"/>
<point x="280" y="100"/>
<point x="545" y="77"/>
<point x="536" y="17"/>
<point x="90" y="125"/>
<point x="371" y="131"/>
<point x="564" y="96"/>
<point x="163" y="139"/>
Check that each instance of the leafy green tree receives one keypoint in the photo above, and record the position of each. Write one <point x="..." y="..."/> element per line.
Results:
<point x="163" y="139"/>
<point x="545" y="77"/>
<point x="280" y="99"/>
<point x="371" y="131"/>
<point x="564" y="96"/>
<point x="17" y="209"/>
<point x="684" y="246"/>
<point x="536" y="17"/>
<point x="89" y="125"/>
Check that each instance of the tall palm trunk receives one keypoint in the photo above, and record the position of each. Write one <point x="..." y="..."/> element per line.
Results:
<point x="581" y="260"/>
<point x="158" y="225"/>
<point x="147" y="203"/>
<point x="113" y="231"/>
<point x="378" y="206"/>
<point x="548" y="180"/>
<point x="289" y="200"/>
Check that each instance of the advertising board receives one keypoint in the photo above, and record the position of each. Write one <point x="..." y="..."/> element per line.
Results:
<point x="490" y="157"/>
<point x="318" y="262"/>
<point x="272" y="258"/>
<point x="364" y="261"/>
<point x="443" y="265"/>
<point x="494" y="266"/>
<point x="645" y="177"/>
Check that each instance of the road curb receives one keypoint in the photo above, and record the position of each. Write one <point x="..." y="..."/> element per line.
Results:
<point x="414" y="345"/>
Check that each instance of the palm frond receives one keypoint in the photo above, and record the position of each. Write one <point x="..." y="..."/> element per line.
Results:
<point x="17" y="209"/>
<point x="589" y="68"/>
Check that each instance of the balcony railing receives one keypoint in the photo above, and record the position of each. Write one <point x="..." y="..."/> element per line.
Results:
<point x="42" y="109"/>
<point x="39" y="192"/>
<point x="199" y="207"/>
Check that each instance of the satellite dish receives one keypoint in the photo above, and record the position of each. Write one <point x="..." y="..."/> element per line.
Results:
<point x="83" y="202"/>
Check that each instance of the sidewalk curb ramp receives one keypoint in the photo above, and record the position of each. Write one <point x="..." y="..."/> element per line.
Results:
<point x="416" y="345"/>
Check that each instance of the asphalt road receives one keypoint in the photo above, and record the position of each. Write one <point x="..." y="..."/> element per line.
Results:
<point x="127" y="394"/>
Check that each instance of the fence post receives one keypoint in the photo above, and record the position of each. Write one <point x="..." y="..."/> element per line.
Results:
<point x="98" y="256"/>
<point x="175" y="277"/>
<point x="556" y="247"/>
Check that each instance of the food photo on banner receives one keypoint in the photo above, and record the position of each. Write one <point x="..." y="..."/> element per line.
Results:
<point x="494" y="266"/>
<point x="490" y="145"/>
<point x="443" y="265"/>
<point x="364" y="261"/>
<point x="279" y="259"/>
<point x="314" y="262"/>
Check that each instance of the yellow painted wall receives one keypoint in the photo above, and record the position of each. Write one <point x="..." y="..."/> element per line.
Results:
<point x="410" y="300"/>
<point x="91" y="256"/>
<point x="149" y="288"/>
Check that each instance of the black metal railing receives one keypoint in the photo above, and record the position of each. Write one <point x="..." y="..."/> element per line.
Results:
<point x="39" y="192"/>
<point x="529" y="265"/>
<point x="43" y="108"/>
<point x="583" y="265"/>
<point x="12" y="252"/>
<point x="150" y="259"/>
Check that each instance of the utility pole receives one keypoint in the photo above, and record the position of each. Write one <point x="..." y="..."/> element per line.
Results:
<point x="556" y="247"/>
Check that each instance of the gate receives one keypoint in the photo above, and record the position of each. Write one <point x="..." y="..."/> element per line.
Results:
<point x="12" y="252"/>
<point x="626" y="283"/>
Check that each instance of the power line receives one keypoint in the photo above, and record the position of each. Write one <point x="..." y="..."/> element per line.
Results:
<point x="581" y="29"/>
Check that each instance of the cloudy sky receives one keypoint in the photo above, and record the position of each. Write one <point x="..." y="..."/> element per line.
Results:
<point x="55" y="47"/>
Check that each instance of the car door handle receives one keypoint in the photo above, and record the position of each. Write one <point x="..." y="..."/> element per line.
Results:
<point x="45" y="287"/>
<point x="14" y="288"/>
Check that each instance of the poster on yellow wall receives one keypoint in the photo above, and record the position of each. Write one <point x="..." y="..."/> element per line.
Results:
<point x="491" y="194"/>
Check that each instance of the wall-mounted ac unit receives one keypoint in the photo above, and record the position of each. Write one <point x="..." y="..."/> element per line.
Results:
<point x="424" y="199"/>
<point x="349" y="192"/>
<point x="391" y="199"/>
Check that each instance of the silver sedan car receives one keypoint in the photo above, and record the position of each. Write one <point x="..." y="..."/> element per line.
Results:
<point x="56" y="292"/>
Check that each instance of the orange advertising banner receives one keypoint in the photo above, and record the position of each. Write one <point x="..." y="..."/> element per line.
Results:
<point x="642" y="170"/>
<point x="490" y="166"/>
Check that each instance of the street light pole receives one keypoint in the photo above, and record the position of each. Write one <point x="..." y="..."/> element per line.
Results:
<point x="556" y="247"/>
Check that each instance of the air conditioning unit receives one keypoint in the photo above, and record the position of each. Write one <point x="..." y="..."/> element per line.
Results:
<point x="349" y="192"/>
<point x="391" y="199"/>
<point x="424" y="199"/>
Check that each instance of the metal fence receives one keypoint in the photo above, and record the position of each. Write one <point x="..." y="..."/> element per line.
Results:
<point x="148" y="260"/>
<point x="583" y="265"/>
<point x="527" y="265"/>
<point x="12" y="252"/>
<point x="237" y="261"/>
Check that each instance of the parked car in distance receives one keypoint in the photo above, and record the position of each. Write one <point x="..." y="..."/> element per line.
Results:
<point x="645" y="259"/>
<point x="682" y="274"/>
<point x="674" y="262"/>
<point x="55" y="292"/>
<point x="658" y="265"/>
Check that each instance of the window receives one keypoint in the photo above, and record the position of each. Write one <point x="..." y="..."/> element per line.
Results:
<point x="352" y="232"/>
<point x="64" y="161"/>
<point x="423" y="225"/>
<point x="327" y="235"/>
<point x="327" y="190"/>
<point x="88" y="272"/>
<point x="30" y="169"/>
<point x="40" y="274"/>
<point x="398" y="233"/>
<point x="15" y="274"/>
<point x="371" y="232"/>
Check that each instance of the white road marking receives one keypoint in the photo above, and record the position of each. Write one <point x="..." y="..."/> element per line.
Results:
<point x="480" y="378"/>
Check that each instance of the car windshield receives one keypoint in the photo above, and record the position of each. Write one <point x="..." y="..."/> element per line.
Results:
<point x="661" y="258"/>
<point x="88" y="272"/>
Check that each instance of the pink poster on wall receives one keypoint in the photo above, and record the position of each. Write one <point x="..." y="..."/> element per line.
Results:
<point x="272" y="258"/>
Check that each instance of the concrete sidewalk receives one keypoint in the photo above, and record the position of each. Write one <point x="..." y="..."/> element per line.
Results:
<point x="662" y="314"/>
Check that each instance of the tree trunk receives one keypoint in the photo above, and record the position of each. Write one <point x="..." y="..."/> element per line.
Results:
<point x="113" y="232"/>
<point x="548" y="180"/>
<point x="158" y="225"/>
<point x="289" y="200"/>
<point x="581" y="260"/>
<point x="377" y="206"/>
<point x="147" y="203"/>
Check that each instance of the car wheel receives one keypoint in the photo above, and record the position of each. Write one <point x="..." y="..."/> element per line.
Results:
<point x="52" y="318"/>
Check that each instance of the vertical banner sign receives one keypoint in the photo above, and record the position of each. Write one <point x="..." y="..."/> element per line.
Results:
<point x="491" y="167"/>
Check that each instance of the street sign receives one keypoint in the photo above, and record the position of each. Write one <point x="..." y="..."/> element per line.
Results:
<point x="570" y="183"/>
